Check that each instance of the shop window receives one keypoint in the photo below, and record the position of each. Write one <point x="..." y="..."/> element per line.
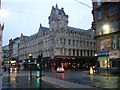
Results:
<point x="104" y="62"/>
<point x="115" y="64"/>
<point x="119" y="42"/>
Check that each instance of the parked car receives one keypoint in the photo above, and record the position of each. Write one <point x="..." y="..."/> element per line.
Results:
<point x="60" y="70"/>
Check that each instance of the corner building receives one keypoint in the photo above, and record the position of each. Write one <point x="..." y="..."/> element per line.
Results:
<point x="107" y="27"/>
<point x="60" y="44"/>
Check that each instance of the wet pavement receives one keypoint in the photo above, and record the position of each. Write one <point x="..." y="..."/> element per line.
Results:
<point x="84" y="78"/>
<point x="23" y="80"/>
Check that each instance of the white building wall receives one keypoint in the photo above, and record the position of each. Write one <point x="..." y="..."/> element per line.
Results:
<point x="54" y="40"/>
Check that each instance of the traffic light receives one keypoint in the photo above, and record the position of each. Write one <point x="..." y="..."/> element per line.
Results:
<point x="38" y="65"/>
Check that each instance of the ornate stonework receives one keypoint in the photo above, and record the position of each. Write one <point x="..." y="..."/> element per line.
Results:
<point x="58" y="39"/>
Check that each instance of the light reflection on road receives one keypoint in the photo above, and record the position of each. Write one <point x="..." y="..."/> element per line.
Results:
<point x="83" y="77"/>
<point x="58" y="75"/>
<point x="12" y="78"/>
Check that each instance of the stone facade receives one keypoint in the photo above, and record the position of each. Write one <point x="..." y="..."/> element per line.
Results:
<point x="107" y="27"/>
<point x="5" y="54"/>
<point x="1" y="31"/>
<point x="15" y="53"/>
<point x="58" y="40"/>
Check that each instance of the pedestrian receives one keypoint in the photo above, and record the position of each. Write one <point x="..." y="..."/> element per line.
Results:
<point x="9" y="70"/>
<point x="5" y="68"/>
<point x="25" y="66"/>
<point x="18" y="66"/>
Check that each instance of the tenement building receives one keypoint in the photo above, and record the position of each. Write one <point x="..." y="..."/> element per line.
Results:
<point x="60" y="44"/>
<point x="107" y="27"/>
<point x="5" y="54"/>
<point x="1" y="33"/>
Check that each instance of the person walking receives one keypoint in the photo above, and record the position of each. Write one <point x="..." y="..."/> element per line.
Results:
<point x="9" y="69"/>
<point x="5" y="68"/>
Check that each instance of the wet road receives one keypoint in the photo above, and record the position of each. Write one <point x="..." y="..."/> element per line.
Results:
<point x="23" y="80"/>
<point x="83" y="77"/>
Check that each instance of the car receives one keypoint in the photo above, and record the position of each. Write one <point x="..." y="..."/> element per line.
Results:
<point x="60" y="70"/>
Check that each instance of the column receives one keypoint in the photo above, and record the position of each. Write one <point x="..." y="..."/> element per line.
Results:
<point x="67" y="51"/>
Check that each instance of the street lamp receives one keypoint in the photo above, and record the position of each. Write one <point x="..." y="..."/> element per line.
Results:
<point x="2" y="15"/>
<point x="30" y="57"/>
<point x="107" y="63"/>
<point x="106" y="29"/>
<point x="1" y="31"/>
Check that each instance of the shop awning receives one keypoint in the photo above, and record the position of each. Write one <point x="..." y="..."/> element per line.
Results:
<point x="101" y="58"/>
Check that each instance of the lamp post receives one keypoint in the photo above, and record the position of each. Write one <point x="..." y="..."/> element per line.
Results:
<point x="30" y="57"/>
<point x="1" y="31"/>
<point x="40" y="63"/>
<point x="107" y="63"/>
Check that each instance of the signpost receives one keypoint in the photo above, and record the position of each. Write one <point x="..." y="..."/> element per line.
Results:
<point x="30" y="57"/>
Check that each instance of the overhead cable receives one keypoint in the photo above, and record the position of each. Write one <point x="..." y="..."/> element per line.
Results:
<point x="83" y="3"/>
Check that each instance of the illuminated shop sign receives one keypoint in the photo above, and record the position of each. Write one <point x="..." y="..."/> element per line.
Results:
<point x="114" y="54"/>
<point x="103" y="53"/>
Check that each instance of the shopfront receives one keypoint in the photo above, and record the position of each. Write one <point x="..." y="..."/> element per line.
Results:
<point x="115" y="60"/>
<point x="103" y="59"/>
